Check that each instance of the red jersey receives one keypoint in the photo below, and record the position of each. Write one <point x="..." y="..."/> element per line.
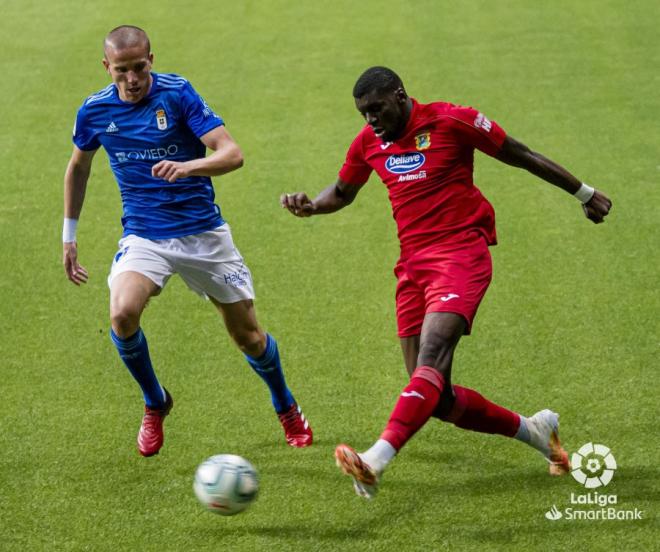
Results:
<point x="428" y="173"/>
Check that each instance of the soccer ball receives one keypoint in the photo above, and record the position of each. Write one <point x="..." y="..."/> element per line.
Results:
<point x="226" y="484"/>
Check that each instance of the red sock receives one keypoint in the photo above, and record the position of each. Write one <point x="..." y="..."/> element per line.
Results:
<point x="474" y="412"/>
<point x="414" y="407"/>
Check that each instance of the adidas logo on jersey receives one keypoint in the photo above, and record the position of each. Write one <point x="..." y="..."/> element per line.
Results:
<point x="112" y="127"/>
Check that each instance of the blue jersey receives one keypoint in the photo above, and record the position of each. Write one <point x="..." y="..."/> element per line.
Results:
<point x="166" y="124"/>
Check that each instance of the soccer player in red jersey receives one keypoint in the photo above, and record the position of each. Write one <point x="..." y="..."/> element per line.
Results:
<point x="424" y="153"/>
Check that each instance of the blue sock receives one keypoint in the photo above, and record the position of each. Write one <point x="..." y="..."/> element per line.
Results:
<point x="135" y="353"/>
<point x="269" y="368"/>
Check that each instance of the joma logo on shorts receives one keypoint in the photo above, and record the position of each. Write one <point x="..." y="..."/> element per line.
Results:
<point x="237" y="279"/>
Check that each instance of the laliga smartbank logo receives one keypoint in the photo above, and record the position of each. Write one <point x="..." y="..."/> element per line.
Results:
<point x="593" y="466"/>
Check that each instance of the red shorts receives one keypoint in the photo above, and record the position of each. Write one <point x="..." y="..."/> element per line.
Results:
<point x="450" y="277"/>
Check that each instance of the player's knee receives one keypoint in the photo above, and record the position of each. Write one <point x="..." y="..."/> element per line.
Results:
<point x="437" y="352"/>
<point x="250" y="341"/>
<point x="125" y="320"/>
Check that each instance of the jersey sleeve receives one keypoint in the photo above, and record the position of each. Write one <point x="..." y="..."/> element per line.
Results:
<point x="355" y="169"/>
<point x="84" y="136"/>
<point x="198" y="115"/>
<point x="472" y="128"/>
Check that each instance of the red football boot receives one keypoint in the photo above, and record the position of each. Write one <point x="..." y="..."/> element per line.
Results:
<point x="296" y="427"/>
<point x="150" y="437"/>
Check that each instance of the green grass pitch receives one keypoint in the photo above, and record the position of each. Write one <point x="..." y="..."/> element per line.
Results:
<point x="570" y="321"/>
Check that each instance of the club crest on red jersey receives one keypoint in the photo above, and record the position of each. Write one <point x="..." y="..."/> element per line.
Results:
<point x="423" y="141"/>
<point x="161" y="119"/>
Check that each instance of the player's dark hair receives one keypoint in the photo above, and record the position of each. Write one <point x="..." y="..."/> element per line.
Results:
<point x="126" y="36"/>
<point x="376" y="79"/>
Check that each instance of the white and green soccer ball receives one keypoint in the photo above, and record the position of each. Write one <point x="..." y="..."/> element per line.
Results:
<point x="226" y="484"/>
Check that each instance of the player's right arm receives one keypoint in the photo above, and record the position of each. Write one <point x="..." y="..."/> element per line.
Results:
<point x="75" y="184"/>
<point x="352" y="176"/>
<point x="336" y="196"/>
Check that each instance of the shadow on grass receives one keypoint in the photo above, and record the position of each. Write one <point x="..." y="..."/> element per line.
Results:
<point x="408" y="501"/>
<point x="362" y="528"/>
<point x="455" y="491"/>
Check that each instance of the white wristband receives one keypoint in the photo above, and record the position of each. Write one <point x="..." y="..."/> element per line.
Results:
<point x="585" y="193"/>
<point x="69" y="230"/>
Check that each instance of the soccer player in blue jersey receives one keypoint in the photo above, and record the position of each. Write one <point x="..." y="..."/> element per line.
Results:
<point x="156" y="129"/>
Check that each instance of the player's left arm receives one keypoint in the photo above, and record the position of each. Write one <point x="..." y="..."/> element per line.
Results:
<point x="596" y="205"/>
<point x="226" y="156"/>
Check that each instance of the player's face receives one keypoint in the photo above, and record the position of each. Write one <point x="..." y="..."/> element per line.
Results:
<point x="130" y="70"/>
<point x="385" y="112"/>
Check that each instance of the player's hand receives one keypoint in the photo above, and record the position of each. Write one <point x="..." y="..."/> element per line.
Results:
<point x="597" y="208"/>
<point x="74" y="272"/>
<point x="170" y="170"/>
<point x="298" y="204"/>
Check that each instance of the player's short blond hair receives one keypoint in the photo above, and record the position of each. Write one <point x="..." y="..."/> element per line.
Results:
<point x="126" y="36"/>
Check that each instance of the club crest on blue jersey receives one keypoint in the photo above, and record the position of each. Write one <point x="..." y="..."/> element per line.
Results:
<point x="402" y="163"/>
<point x="161" y="119"/>
<point x="423" y="141"/>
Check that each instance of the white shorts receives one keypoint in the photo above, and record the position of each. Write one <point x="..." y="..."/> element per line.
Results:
<point x="208" y="263"/>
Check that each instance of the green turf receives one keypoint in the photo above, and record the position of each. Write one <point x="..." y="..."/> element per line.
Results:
<point x="570" y="321"/>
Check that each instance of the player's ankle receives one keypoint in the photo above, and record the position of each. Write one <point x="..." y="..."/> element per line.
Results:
<point x="379" y="455"/>
<point x="523" y="431"/>
<point x="528" y="433"/>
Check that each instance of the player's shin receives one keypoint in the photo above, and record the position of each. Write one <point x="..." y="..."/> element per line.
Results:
<point x="414" y="407"/>
<point x="134" y="352"/>
<point x="269" y="369"/>
<point x="474" y="412"/>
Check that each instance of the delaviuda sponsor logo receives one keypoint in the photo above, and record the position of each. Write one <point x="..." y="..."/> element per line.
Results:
<point x="403" y="163"/>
